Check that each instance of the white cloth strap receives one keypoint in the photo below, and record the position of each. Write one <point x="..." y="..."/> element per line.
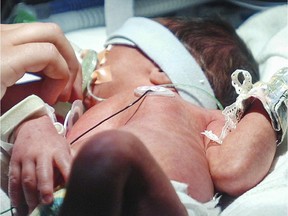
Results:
<point x="30" y="107"/>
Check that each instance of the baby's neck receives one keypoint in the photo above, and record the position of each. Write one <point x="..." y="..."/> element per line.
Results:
<point x="150" y="111"/>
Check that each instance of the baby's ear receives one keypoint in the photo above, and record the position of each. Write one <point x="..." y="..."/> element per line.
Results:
<point x="158" y="77"/>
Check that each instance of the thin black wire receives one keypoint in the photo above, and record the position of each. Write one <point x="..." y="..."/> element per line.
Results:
<point x="101" y="122"/>
<point x="106" y="119"/>
<point x="8" y="210"/>
<point x="11" y="211"/>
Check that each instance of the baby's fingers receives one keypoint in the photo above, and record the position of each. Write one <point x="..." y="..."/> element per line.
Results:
<point x="15" y="188"/>
<point x="44" y="172"/>
<point x="29" y="184"/>
<point x="63" y="164"/>
<point x="22" y="187"/>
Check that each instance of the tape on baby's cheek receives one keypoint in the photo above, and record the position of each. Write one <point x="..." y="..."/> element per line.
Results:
<point x="102" y="56"/>
<point x="102" y="75"/>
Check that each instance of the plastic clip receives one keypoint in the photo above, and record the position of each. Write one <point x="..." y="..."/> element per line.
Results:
<point x="154" y="90"/>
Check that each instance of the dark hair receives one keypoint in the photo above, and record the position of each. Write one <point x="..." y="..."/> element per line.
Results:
<point x="218" y="50"/>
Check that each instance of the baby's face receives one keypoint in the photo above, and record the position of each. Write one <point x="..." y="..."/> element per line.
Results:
<point x="125" y="68"/>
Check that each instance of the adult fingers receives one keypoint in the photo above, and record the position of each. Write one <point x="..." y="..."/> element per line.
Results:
<point x="35" y="57"/>
<point x="76" y="92"/>
<point x="52" y="33"/>
<point x="8" y="27"/>
<point x="52" y="91"/>
<point x="44" y="172"/>
<point x="45" y="32"/>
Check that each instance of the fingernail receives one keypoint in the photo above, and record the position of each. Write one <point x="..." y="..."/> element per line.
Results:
<point x="47" y="199"/>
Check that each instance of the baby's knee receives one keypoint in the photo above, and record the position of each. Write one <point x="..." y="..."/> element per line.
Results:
<point x="110" y="150"/>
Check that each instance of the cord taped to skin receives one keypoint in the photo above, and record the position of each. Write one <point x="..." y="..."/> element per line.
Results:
<point x="153" y="90"/>
<point x="111" y="116"/>
<point x="178" y="86"/>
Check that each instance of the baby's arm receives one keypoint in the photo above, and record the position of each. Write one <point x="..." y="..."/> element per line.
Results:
<point x="246" y="154"/>
<point x="28" y="139"/>
<point x="39" y="154"/>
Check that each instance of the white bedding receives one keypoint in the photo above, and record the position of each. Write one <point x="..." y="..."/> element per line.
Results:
<point x="267" y="36"/>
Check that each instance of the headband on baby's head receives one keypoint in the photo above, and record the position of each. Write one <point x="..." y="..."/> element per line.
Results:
<point x="160" y="45"/>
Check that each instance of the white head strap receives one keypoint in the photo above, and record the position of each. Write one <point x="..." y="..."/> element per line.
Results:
<point x="160" y="45"/>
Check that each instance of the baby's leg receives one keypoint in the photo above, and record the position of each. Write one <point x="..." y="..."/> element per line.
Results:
<point x="114" y="174"/>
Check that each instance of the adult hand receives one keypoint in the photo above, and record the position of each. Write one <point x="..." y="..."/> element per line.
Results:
<point x="40" y="48"/>
<point x="35" y="162"/>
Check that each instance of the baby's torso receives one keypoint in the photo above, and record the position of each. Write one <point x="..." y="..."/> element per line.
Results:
<point x="169" y="129"/>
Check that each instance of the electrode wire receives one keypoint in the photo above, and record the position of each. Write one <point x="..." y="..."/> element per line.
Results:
<point x="111" y="116"/>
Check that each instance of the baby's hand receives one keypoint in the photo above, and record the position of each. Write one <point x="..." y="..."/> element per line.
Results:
<point x="39" y="152"/>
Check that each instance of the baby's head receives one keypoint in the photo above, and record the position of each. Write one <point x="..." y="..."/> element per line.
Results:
<point x="201" y="68"/>
<point x="218" y="50"/>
